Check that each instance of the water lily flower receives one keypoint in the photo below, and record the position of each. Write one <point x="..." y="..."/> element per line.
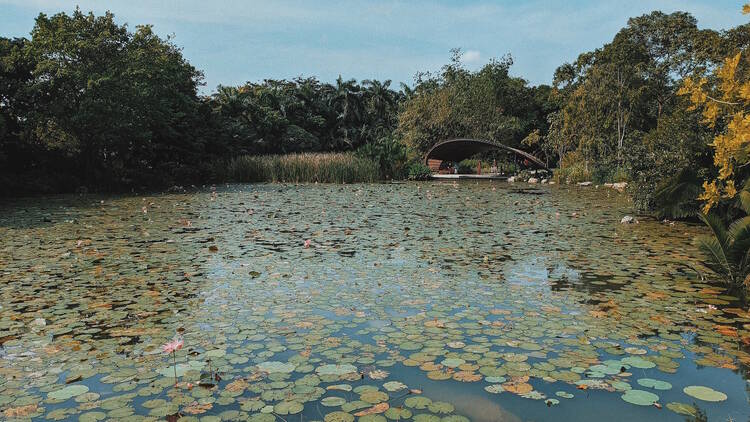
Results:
<point x="173" y="346"/>
<point x="307" y="243"/>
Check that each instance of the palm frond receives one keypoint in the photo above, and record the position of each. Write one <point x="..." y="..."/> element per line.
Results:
<point x="716" y="258"/>
<point x="743" y="201"/>
<point x="676" y="198"/>
<point x="739" y="238"/>
<point x="717" y="228"/>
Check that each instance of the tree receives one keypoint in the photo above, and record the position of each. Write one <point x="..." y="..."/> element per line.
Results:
<point x="120" y="102"/>
<point x="724" y="100"/>
<point x="486" y="104"/>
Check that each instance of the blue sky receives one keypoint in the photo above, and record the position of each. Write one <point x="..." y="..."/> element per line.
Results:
<point x="234" y="41"/>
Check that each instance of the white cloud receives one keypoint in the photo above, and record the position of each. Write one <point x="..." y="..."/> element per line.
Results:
<point x="471" y="57"/>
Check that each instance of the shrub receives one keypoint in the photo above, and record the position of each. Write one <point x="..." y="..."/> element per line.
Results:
<point x="389" y="154"/>
<point x="419" y="171"/>
<point x="573" y="169"/>
<point x="677" y="197"/>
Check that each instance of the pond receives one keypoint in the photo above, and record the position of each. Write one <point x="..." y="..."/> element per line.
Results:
<point x="482" y="301"/>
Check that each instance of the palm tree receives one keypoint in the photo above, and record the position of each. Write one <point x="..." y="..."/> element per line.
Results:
<point x="406" y="92"/>
<point x="347" y="102"/>
<point x="727" y="249"/>
<point x="381" y="99"/>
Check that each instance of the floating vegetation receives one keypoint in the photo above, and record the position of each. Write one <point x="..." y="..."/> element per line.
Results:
<point x="427" y="302"/>
<point x="704" y="393"/>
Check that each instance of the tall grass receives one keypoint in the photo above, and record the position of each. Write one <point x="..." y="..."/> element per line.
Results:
<point x="302" y="168"/>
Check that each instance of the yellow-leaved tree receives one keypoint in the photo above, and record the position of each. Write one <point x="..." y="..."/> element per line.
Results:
<point x="724" y="99"/>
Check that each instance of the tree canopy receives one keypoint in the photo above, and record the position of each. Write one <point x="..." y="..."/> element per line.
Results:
<point x="88" y="102"/>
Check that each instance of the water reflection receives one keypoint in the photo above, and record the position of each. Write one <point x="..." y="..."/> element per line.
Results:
<point x="447" y="288"/>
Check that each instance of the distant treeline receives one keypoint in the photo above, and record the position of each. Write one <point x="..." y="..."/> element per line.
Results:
<point x="87" y="103"/>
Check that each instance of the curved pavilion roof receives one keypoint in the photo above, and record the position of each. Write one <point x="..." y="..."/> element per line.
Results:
<point x="459" y="149"/>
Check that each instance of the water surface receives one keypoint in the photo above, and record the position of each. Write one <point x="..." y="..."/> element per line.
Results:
<point x="483" y="301"/>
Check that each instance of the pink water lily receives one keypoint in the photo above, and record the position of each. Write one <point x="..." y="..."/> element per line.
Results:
<point x="173" y="346"/>
<point x="307" y="243"/>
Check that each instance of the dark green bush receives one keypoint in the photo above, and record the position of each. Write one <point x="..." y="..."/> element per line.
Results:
<point x="419" y="171"/>
<point x="389" y="154"/>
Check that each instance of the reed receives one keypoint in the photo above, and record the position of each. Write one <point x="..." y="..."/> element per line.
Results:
<point x="302" y="168"/>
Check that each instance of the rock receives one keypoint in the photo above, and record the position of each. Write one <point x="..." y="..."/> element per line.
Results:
<point x="533" y="180"/>
<point x="584" y="183"/>
<point x="620" y="186"/>
<point x="628" y="219"/>
<point x="40" y="322"/>
<point x="544" y="181"/>
<point x="551" y="182"/>
<point x="511" y="179"/>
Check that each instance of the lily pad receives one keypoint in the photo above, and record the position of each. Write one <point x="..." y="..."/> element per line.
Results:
<point x="682" y="408"/>
<point x="655" y="384"/>
<point x="338" y="370"/>
<point x="333" y="401"/>
<point x="288" y="407"/>
<point x="704" y="393"/>
<point x="339" y="416"/>
<point x="68" y="392"/>
<point x="640" y="397"/>
<point x="276" y="367"/>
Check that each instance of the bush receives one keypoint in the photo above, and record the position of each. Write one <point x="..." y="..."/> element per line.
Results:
<point x="573" y="169"/>
<point x="390" y="156"/>
<point x="419" y="171"/>
<point x="302" y="168"/>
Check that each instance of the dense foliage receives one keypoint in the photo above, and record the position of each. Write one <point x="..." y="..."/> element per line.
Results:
<point x="87" y="103"/>
<point x="486" y="104"/>
<point x="620" y="116"/>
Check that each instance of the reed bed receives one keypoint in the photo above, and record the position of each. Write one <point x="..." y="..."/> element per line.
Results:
<point x="302" y="168"/>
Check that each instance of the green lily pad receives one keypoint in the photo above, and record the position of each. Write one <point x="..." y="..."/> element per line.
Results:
<point x="288" y="407"/>
<point x="333" y="401"/>
<point x="640" y="397"/>
<point x="417" y="402"/>
<point x="655" y="384"/>
<point x="395" y="413"/>
<point x="440" y="407"/>
<point x="704" y="393"/>
<point x="276" y="367"/>
<point x="338" y="370"/>
<point x="68" y="392"/>
<point x="373" y="397"/>
<point x="638" y="362"/>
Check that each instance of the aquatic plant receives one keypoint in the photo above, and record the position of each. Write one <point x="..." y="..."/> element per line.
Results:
<point x="172" y="347"/>
<point x="303" y="168"/>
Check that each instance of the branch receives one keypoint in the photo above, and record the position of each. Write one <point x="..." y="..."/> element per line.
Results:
<point x="720" y="101"/>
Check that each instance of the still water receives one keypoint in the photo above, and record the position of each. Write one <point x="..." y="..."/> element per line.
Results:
<point x="419" y="301"/>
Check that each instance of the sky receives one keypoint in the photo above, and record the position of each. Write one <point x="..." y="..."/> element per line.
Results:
<point x="235" y="41"/>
